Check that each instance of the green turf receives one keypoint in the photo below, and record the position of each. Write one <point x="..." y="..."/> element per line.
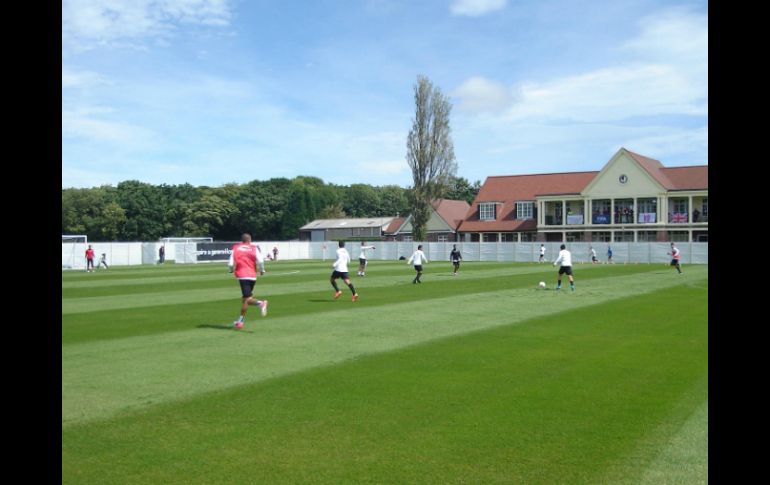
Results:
<point x="480" y="378"/>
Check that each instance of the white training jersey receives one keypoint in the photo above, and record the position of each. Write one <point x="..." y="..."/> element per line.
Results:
<point x="542" y="250"/>
<point x="565" y="258"/>
<point x="363" y="251"/>
<point x="593" y="253"/>
<point x="418" y="257"/>
<point x="343" y="258"/>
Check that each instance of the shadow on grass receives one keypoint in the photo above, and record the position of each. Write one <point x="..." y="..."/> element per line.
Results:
<point x="321" y="301"/>
<point x="223" y="327"/>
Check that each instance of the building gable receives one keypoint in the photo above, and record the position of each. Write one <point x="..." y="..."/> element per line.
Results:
<point x="622" y="176"/>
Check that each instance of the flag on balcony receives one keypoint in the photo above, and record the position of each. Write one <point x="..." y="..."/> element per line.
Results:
<point x="647" y="217"/>
<point x="679" y="217"/>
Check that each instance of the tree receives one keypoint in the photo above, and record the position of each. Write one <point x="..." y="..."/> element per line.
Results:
<point x="461" y="189"/>
<point x="430" y="152"/>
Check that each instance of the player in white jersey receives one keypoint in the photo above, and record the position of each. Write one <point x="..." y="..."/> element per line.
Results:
<point x="362" y="258"/>
<point x="565" y="259"/>
<point x="341" y="271"/>
<point x="418" y="257"/>
<point x="675" y="258"/>
<point x="542" y="254"/>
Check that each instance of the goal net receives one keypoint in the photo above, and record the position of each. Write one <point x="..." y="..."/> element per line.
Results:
<point x="73" y="250"/>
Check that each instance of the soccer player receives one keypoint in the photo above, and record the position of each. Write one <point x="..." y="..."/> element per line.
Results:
<point x="341" y="271"/>
<point x="592" y="252"/>
<point x="243" y="262"/>
<point x="89" y="259"/>
<point x="362" y="258"/>
<point x="455" y="257"/>
<point x="418" y="257"/>
<point x="675" y="258"/>
<point x="260" y="261"/>
<point x="103" y="261"/>
<point x="542" y="254"/>
<point x="609" y="254"/>
<point x="565" y="259"/>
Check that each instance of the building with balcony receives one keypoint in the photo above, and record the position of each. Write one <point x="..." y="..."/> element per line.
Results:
<point x="632" y="198"/>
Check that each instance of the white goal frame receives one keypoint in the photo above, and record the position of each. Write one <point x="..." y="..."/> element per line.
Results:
<point x="73" y="249"/>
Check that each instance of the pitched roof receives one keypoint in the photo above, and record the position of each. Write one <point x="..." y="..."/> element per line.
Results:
<point x="394" y="225"/>
<point x="683" y="178"/>
<point x="345" y="223"/>
<point x="452" y="211"/>
<point x="674" y="178"/>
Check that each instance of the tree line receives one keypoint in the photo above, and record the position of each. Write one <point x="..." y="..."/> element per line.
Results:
<point x="273" y="209"/>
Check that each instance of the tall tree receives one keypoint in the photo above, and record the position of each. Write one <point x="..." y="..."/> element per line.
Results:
<point x="430" y="152"/>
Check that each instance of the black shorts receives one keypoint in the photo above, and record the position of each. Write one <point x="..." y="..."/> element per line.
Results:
<point x="418" y="267"/>
<point x="674" y="262"/>
<point x="247" y="287"/>
<point x="362" y="261"/>
<point x="456" y="261"/>
<point x="593" y="258"/>
<point x="337" y="274"/>
<point x="566" y="270"/>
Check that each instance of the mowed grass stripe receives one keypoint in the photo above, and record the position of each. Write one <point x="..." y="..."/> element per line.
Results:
<point x="311" y="277"/>
<point x="101" y="378"/>
<point x="214" y="308"/>
<point x="557" y="399"/>
<point x="92" y="293"/>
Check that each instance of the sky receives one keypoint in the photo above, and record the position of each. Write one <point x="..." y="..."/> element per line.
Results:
<point x="209" y="92"/>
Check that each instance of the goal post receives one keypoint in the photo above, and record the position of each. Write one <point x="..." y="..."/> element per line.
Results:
<point x="73" y="250"/>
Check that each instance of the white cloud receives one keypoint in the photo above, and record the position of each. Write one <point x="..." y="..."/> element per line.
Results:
<point x="384" y="167"/>
<point x="667" y="74"/>
<point x="82" y="124"/>
<point x="71" y="78"/>
<point x="87" y="23"/>
<point x="478" y="95"/>
<point x="476" y="8"/>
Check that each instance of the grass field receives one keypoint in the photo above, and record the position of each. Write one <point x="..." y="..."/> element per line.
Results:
<point x="474" y="379"/>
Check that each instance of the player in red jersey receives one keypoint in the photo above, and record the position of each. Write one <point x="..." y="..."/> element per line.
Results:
<point x="243" y="262"/>
<point x="90" y="259"/>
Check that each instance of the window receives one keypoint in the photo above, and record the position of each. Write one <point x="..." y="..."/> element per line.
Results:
<point x="508" y="237"/>
<point x="624" y="211"/>
<point x="525" y="210"/>
<point x="407" y="238"/>
<point x="705" y="210"/>
<point x="487" y="211"/>
<point x="443" y="238"/>
<point x="528" y="236"/>
<point x="624" y="236"/>
<point x="601" y="236"/>
<point x="677" y="211"/>
<point x="489" y="237"/>
<point x="648" y="210"/>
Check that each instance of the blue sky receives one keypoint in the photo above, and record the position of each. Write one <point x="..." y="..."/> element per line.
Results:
<point x="208" y="92"/>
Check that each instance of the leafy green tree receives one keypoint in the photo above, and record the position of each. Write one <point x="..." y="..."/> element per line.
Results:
<point x="430" y="152"/>
<point x="461" y="189"/>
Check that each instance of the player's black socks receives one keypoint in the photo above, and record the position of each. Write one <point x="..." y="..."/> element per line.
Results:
<point x="351" y="288"/>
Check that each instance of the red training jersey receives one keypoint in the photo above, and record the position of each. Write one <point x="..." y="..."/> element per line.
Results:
<point x="89" y="254"/>
<point x="245" y="259"/>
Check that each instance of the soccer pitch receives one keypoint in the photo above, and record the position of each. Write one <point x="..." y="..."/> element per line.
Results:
<point x="476" y="378"/>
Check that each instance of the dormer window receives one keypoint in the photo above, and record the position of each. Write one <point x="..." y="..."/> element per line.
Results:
<point x="487" y="211"/>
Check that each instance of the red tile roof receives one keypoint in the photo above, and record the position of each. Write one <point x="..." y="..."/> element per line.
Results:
<point x="452" y="211"/>
<point x="674" y="178"/>
<point x="683" y="178"/>
<point x="393" y="227"/>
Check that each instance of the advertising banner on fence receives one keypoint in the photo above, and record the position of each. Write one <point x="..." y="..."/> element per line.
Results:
<point x="214" y="251"/>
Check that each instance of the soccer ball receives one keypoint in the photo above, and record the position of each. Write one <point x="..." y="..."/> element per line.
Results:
<point x="238" y="325"/>
<point x="542" y="284"/>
